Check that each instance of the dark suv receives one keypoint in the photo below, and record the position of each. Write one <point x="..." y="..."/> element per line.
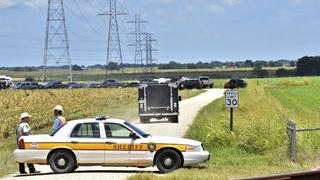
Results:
<point x="190" y="84"/>
<point x="235" y="83"/>
<point x="112" y="84"/>
<point x="55" y="85"/>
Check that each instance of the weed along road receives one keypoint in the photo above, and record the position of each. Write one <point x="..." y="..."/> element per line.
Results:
<point x="188" y="111"/>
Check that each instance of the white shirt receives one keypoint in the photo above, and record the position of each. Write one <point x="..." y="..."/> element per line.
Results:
<point x="23" y="129"/>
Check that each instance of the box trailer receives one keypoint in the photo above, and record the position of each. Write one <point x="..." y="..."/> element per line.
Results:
<point x="158" y="100"/>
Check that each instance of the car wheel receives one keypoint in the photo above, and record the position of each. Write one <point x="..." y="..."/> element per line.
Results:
<point x="62" y="161"/>
<point x="75" y="167"/>
<point x="174" y="119"/>
<point x="211" y="86"/>
<point x="168" y="161"/>
<point x="144" y="120"/>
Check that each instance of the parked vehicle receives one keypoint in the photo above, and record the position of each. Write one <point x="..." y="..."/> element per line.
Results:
<point x="112" y="84"/>
<point x="27" y="85"/>
<point x="132" y="84"/>
<point x="55" y="85"/>
<point x="77" y="86"/>
<point x="5" y="82"/>
<point x="190" y="84"/>
<point x="94" y="85"/>
<point x="235" y="83"/>
<point x="158" y="100"/>
<point x="107" y="142"/>
<point x="205" y="82"/>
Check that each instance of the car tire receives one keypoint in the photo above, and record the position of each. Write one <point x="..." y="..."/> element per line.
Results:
<point x="75" y="167"/>
<point x="211" y="86"/>
<point x="168" y="161"/>
<point x="144" y="120"/>
<point x="62" y="161"/>
<point x="174" y="119"/>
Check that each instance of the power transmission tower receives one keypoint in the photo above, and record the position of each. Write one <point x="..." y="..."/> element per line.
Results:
<point x="149" y="64"/>
<point x="138" y="58"/>
<point x="57" y="42"/>
<point x="114" y="52"/>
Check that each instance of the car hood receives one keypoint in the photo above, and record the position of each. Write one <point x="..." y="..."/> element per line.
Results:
<point x="171" y="140"/>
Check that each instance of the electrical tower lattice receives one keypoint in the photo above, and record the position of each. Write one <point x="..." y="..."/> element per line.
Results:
<point x="149" y="66"/>
<point x="138" y="58"/>
<point x="114" y="52"/>
<point x="56" y="42"/>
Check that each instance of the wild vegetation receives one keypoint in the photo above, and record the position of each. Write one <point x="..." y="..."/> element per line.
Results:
<point x="79" y="103"/>
<point x="259" y="143"/>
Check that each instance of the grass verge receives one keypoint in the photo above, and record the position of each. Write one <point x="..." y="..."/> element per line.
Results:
<point x="259" y="143"/>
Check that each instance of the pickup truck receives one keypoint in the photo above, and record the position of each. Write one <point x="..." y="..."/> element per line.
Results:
<point x="205" y="82"/>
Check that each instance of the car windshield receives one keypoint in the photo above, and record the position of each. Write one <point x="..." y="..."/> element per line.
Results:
<point x="204" y="78"/>
<point x="136" y="129"/>
<point x="52" y="133"/>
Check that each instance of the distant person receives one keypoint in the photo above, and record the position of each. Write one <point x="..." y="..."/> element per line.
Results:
<point x="23" y="129"/>
<point x="59" y="120"/>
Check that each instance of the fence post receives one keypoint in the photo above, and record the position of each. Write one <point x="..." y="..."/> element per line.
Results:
<point x="293" y="140"/>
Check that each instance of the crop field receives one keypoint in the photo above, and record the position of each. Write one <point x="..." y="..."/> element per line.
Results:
<point x="259" y="144"/>
<point x="79" y="103"/>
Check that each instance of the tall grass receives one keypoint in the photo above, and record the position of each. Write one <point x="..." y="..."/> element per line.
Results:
<point x="259" y="143"/>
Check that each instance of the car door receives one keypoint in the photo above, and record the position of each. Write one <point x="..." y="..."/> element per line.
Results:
<point x="88" y="143"/>
<point x="121" y="148"/>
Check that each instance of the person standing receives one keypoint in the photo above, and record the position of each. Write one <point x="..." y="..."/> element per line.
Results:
<point x="59" y="120"/>
<point x="23" y="129"/>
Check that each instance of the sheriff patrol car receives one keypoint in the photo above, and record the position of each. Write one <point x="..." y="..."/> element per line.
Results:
<point x="107" y="142"/>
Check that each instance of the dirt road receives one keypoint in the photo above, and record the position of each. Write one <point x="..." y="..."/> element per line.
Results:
<point x="188" y="110"/>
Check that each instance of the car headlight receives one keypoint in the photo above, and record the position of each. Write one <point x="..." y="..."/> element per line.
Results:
<point x="194" y="148"/>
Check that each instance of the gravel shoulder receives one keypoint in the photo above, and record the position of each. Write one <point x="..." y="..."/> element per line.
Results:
<point x="189" y="108"/>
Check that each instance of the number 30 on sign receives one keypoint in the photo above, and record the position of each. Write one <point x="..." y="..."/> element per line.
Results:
<point x="232" y="99"/>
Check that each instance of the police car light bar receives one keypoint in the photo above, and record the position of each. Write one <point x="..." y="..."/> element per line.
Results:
<point x="99" y="118"/>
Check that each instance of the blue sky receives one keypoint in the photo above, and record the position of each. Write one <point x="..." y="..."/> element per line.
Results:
<point x="186" y="30"/>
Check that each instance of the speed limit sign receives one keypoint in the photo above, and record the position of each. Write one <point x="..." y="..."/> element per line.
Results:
<point x="232" y="99"/>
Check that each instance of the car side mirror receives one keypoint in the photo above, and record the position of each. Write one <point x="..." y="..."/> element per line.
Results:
<point x="134" y="135"/>
<point x="180" y="99"/>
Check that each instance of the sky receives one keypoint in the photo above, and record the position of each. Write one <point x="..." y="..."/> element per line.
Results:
<point x="185" y="30"/>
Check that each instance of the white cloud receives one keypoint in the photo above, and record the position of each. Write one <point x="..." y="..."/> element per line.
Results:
<point x="231" y="2"/>
<point x="216" y="8"/>
<point x="35" y="3"/>
<point x="6" y="3"/>
<point x="220" y="6"/>
<point x="29" y="3"/>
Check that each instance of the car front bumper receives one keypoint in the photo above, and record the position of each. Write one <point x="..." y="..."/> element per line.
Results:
<point x="195" y="157"/>
<point x="31" y="156"/>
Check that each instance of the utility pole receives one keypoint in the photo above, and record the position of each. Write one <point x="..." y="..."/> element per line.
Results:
<point x="114" y="52"/>
<point x="56" y="42"/>
<point x="138" y="56"/>
<point x="149" y="69"/>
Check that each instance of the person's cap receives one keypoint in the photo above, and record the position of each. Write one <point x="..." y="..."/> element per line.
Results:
<point x="58" y="108"/>
<point x="24" y="115"/>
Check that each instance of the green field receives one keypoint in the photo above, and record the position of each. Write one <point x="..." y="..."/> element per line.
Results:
<point x="259" y="144"/>
<point x="79" y="103"/>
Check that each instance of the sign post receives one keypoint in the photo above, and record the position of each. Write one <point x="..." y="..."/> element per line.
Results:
<point x="232" y="101"/>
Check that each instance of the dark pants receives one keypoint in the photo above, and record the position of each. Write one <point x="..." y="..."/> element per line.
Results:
<point x="30" y="166"/>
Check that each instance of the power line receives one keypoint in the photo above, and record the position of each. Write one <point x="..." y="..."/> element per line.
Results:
<point x="86" y="20"/>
